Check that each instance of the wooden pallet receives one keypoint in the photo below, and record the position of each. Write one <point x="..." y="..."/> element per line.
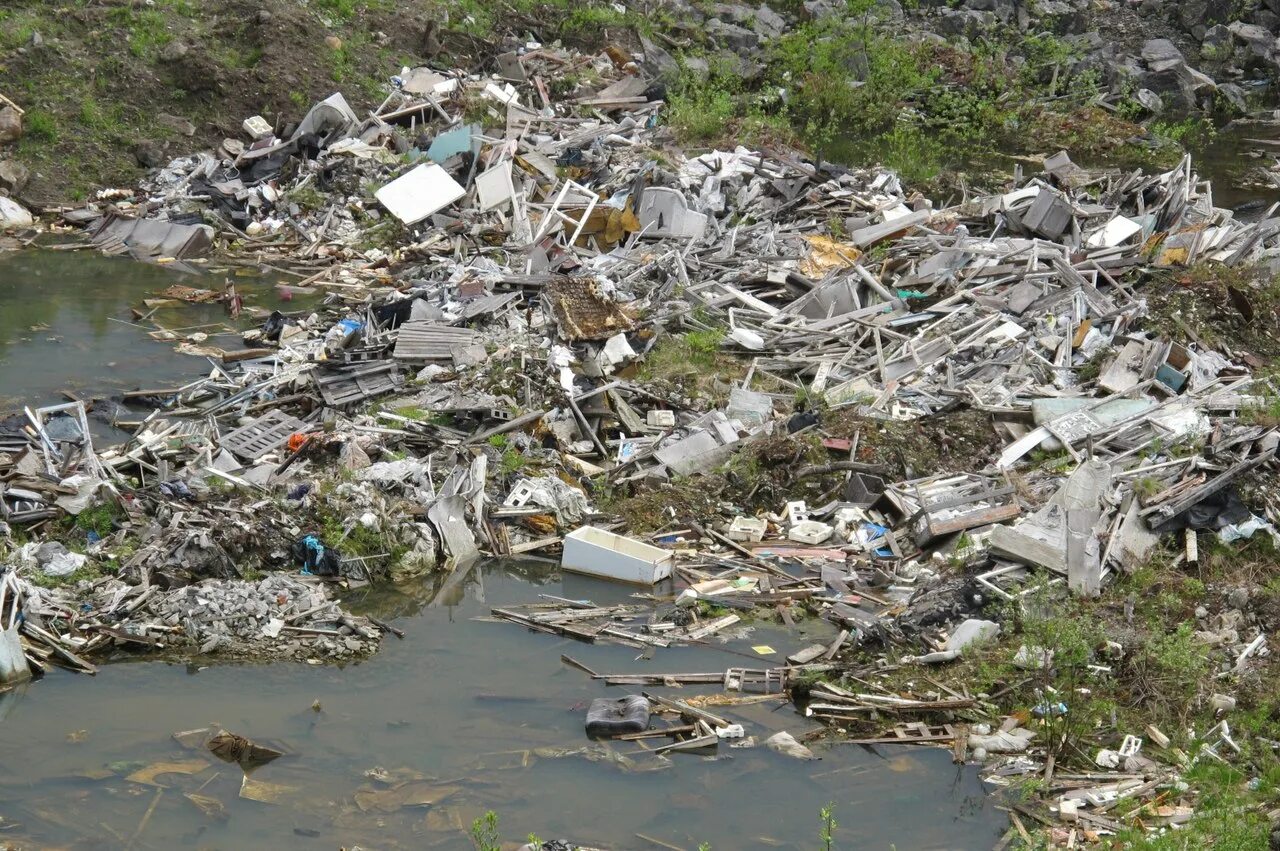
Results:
<point x="347" y="388"/>
<point x="261" y="436"/>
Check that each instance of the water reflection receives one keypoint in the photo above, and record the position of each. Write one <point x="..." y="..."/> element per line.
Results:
<point x="462" y="716"/>
<point x="65" y="325"/>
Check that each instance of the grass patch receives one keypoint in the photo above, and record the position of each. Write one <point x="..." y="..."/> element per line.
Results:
<point x="678" y="354"/>
<point x="91" y="571"/>
<point x="512" y="460"/>
<point x="345" y="10"/>
<point x="716" y="110"/>
<point x="1207" y="302"/>
<point x="40" y="126"/>
<point x="694" y="361"/>
<point x="412" y="412"/>
<point x="677" y="501"/>
<point x="99" y="519"/>
<point x="307" y="197"/>
<point x="145" y="30"/>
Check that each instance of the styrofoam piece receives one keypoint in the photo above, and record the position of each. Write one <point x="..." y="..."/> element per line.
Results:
<point x="797" y="511"/>
<point x="749" y="407"/>
<point x="810" y="532"/>
<point x="747" y="529"/>
<point x="257" y="127"/>
<point x="617" y="350"/>
<point x="13" y="661"/>
<point x="414" y="196"/>
<point x="519" y="495"/>
<point x="1101" y="797"/>
<point x="747" y="338"/>
<point x="661" y="419"/>
<point x="596" y="552"/>
<point x="503" y="94"/>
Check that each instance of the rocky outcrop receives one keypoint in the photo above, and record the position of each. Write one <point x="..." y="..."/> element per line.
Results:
<point x="1172" y="79"/>
<point x="1166" y="56"/>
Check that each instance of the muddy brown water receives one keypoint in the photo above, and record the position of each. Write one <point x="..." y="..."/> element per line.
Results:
<point x="486" y="715"/>
<point x="66" y="325"/>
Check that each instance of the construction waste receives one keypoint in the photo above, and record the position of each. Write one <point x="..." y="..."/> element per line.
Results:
<point x="537" y="310"/>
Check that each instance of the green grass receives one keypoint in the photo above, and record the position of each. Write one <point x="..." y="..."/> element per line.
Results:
<point x="1193" y="130"/>
<point x="99" y="519"/>
<point x="344" y="10"/>
<point x="17" y="28"/>
<point x="587" y="20"/>
<point x="852" y="89"/>
<point x="512" y="459"/>
<point x="146" y="30"/>
<point x="701" y="112"/>
<point x="1228" y="815"/>
<point x="40" y="126"/>
<point x="412" y="412"/>
<point x="309" y="198"/>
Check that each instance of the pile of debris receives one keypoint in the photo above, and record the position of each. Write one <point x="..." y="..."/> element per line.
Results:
<point x="478" y="381"/>
<point x="277" y="617"/>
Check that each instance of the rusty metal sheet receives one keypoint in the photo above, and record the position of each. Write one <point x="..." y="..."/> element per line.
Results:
<point x="583" y="312"/>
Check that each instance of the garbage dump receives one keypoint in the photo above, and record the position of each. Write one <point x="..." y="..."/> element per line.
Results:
<point x="547" y="333"/>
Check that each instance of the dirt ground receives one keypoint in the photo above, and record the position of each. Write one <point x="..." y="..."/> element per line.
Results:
<point x="102" y="81"/>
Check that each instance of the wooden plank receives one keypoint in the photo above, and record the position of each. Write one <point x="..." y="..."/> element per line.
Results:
<point x="687" y="710"/>
<point x="657" y="734"/>
<point x="690" y="744"/>
<point x="574" y="663"/>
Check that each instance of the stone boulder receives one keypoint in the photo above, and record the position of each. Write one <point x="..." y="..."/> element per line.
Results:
<point x="1196" y="16"/>
<point x="10" y="125"/>
<point x="659" y="65"/>
<point x="14" y="215"/>
<point x="1234" y="95"/>
<point x="1060" y="17"/>
<point x="738" y="39"/>
<point x="768" y="23"/>
<point x="1217" y="43"/>
<point x="1172" y="79"/>
<point x="149" y="154"/>
<point x="1260" y="42"/>
<point x="885" y="9"/>
<point x="967" y="23"/>
<point x="1160" y="54"/>
<point x="13" y="176"/>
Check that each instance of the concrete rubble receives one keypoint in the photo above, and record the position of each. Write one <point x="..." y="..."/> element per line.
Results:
<point x="478" y="385"/>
